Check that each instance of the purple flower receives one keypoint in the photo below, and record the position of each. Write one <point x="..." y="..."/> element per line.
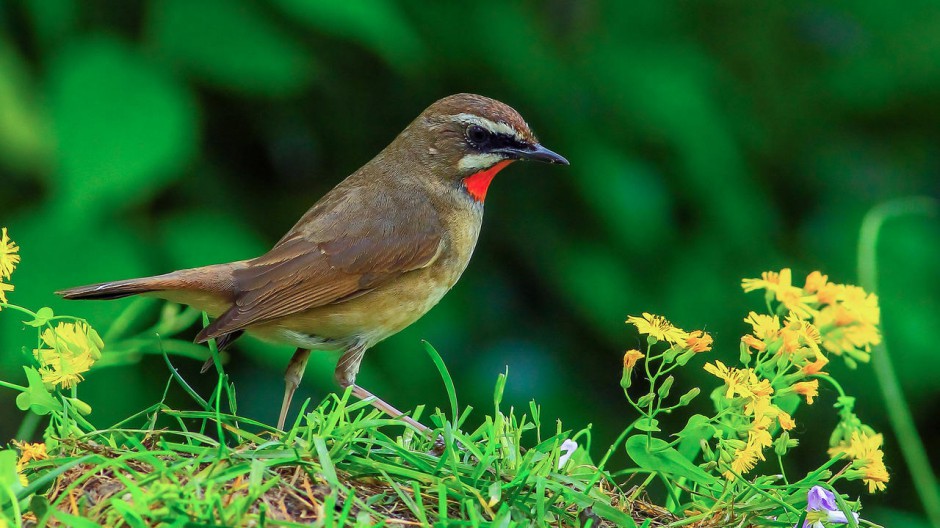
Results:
<point x="821" y="500"/>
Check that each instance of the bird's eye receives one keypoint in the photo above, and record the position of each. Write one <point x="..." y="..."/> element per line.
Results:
<point x="478" y="135"/>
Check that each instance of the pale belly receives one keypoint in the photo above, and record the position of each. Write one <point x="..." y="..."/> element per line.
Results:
<point x="367" y="319"/>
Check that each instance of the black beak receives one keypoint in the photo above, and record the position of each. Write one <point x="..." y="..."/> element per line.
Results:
<point x="534" y="153"/>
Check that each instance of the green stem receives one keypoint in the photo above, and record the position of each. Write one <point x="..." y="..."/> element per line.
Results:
<point x="610" y="452"/>
<point x="28" y="427"/>
<point x="925" y="482"/>
<point x="13" y="386"/>
<point x="18" y="308"/>
<point x="832" y="381"/>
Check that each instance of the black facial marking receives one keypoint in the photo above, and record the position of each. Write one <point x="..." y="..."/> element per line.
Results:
<point x="482" y="140"/>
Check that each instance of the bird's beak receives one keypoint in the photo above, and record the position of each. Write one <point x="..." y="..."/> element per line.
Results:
<point x="534" y="153"/>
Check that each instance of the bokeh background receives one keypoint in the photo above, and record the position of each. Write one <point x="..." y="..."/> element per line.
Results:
<point x="709" y="141"/>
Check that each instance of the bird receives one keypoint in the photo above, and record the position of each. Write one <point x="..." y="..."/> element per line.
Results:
<point x="369" y="258"/>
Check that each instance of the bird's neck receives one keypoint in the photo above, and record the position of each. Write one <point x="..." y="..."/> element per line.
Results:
<point x="477" y="183"/>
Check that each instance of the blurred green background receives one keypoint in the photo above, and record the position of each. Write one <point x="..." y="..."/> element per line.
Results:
<point x="709" y="141"/>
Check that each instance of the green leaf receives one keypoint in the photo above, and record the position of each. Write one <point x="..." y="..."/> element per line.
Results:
<point x="232" y="44"/>
<point x="125" y="127"/>
<point x="128" y="515"/>
<point x="39" y="505"/>
<point x="658" y="456"/>
<point x="74" y="521"/>
<point x="448" y="380"/>
<point x="9" y="478"/>
<point x="36" y="398"/>
<point x="613" y="514"/>
<point x="42" y="317"/>
<point x="698" y="428"/>
<point x="647" y="424"/>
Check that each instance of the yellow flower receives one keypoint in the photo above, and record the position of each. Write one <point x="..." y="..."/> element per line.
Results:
<point x="729" y="375"/>
<point x="816" y="366"/>
<point x="769" y="281"/>
<point x="754" y="343"/>
<point x="815" y="281"/>
<point x="861" y="305"/>
<point x="4" y="288"/>
<point x="850" y="324"/>
<point x="658" y="327"/>
<point x="781" y="284"/>
<point x="798" y="334"/>
<point x="744" y="460"/>
<point x="876" y="476"/>
<point x="765" y="326"/>
<point x="743" y="382"/>
<point x="760" y="438"/>
<point x="828" y="293"/>
<point x="786" y="421"/>
<point x="809" y="389"/>
<point x="861" y="444"/>
<point x="864" y="448"/>
<point x="8" y="255"/>
<point x="28" y="453"/>
<point x="698" y="341"/>
<point x="73" y="348"/>
<point x="631" y="357"/>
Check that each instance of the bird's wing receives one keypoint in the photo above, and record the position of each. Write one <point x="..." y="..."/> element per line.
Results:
<point x="348" y="244"/>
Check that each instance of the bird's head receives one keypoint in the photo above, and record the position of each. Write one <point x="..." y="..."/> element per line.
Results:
<point x="470" y="138"/>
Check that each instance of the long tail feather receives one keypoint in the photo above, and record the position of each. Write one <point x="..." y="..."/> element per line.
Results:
<point x="111" y="290"/>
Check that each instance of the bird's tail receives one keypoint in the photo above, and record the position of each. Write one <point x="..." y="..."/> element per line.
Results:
<point x="215" y="282"/>
<point x="112" y="290"/>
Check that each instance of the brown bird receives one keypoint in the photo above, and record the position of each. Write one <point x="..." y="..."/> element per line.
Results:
<point x="371" y="257"/>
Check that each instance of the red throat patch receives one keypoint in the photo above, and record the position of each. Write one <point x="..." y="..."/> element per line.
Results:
<point x="478" y="182"/>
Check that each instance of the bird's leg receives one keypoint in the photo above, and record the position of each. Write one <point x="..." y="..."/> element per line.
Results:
<point x="346" y="370"/>
<point x="292" y="377"/>
<point x="385" y="407"/>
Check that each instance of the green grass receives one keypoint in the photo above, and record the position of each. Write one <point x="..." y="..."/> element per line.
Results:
<point x="341" y="463"/>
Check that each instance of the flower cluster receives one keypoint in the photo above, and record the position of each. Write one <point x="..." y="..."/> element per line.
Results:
<point x="28" y="453"/>
<point x="842" y="318"/>
<point x="859" y="443"/>
<point x="783" y="358"/>
<point x="70" y="349"/>
<point x="749" y="415"/>
<point x="682" y="345"/>
<point x="9" y="258"/>
<point x="790" y="346"/>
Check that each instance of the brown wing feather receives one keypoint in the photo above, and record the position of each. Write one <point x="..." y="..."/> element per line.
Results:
<point x="349" y="243"/>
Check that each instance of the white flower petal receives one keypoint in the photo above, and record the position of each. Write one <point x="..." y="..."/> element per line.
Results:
<point x="568" y="447"/>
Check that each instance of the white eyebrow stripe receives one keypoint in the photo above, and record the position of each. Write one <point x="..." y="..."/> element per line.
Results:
<point x="496" y="127"/>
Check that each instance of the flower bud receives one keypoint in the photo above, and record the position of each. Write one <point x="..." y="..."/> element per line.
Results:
<point x="670" y="355"/>
<point x="664" y="388"/>
<point x="707" y="452"/>
<point x="687" y="398"/>
<point x="625" y="380"/>
<point x="80" y="406"/>
<point x="646" y="399"/>
<point x="685" y="357"/>
<point x="784" y="443"/>
<point x="745" y="355"/>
